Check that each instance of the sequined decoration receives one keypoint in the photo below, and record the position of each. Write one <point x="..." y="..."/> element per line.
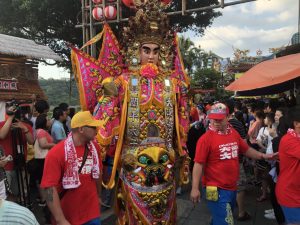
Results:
<point x="133" y="126"/>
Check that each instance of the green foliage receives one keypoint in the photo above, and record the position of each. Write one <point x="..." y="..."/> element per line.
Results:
<point x="196" y="21"/>
<point x="58" y="91"/>
<point x="52" y="22"/>
<point x="207" y="78"/>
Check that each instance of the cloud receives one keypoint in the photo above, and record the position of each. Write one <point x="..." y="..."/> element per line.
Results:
<point x="262" y="24"/>
<point x="222" y="40"/>
<point x="281" y="17"/>
<point x="266" y="6"/>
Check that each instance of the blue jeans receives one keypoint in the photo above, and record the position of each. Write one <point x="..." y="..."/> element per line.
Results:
<point x="222" y="209"/>
<point x="96" y="221"/>
<point x="292" y="215"/>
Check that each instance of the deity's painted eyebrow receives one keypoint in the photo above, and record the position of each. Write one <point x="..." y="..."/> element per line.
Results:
<point x="146" y="48"/>
<point x="149" y="49"/>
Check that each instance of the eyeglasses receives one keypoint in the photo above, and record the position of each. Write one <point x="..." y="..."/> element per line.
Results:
<point x="91" y="127"/>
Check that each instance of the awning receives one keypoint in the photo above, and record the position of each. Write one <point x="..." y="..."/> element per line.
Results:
<point x="269" y="74"/>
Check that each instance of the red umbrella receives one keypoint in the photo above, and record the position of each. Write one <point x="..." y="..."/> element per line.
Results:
<point x="268" y="73"/>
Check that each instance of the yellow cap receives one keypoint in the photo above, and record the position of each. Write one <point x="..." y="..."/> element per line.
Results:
<point x="84" y="118"/>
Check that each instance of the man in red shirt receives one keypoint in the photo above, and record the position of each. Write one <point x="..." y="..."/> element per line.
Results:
<point x="217" y="159"/>
<point x="7" y="133"/>
<point x="288" y="184"/>
<point x="72" y="175"/>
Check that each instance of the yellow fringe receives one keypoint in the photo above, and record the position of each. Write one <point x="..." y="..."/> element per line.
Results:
<point x="111" y="182"/>
<point x="186" y="78"/>
<point x="180" y="151"/>
<point x="93" y="40"/>
<point x="77" y="73"/>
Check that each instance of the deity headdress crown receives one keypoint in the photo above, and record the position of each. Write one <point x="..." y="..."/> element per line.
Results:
<point x="149" y="25"/>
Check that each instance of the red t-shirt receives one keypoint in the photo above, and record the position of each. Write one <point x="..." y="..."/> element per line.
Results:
<point x="6" y="143"/>
<point x="219" y="156"/>
<point x="288" y="184"/>
<point x="41" y="133"/>
<point x="81" y="204"/>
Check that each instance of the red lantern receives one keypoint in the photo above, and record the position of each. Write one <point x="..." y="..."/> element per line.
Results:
<point x="128" y="3"/>
<point x="166" y="1"/>
<point x="110" y="12"/>
<point x="98" y="13"/>
<point x="97" y="1"/>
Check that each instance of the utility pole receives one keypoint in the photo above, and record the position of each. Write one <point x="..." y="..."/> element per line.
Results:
<point x="299" y="20"/>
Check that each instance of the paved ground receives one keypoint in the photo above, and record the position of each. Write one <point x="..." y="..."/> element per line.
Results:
<point x="188" y="215"/>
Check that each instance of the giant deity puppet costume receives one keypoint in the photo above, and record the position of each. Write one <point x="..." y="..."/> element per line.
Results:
<point x="143" y="107"/>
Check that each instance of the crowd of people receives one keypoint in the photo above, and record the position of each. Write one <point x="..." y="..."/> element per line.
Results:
<point x="235" y="131"/>
<point x="222" y="138"/>
<point x="26" y="137"/>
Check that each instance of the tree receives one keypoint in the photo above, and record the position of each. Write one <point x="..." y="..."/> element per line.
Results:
<point x="207" y="78"/>
<point x="186" y="46"/>
<point x="52" y="22"/>
<point x="196" y="21"/>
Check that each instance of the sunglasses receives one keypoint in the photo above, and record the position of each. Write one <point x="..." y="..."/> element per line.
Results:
<point x="91" y="127"/>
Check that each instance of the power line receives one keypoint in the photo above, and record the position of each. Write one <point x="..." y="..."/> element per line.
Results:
<point x="225" y="41"/>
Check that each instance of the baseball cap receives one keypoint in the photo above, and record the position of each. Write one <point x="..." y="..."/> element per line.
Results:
<point x="84" y="118"/>
<point x="218" y="111"/>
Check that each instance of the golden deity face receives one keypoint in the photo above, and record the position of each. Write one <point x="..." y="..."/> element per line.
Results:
<point x="149" y="53"/>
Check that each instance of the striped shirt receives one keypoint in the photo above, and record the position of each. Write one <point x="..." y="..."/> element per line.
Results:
<point x="238" y="126"/>
<point x="14" y="214"/>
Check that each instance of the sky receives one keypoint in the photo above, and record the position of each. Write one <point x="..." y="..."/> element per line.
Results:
<point x="258" y="25"/>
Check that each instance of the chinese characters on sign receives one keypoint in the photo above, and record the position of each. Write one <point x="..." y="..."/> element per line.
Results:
<point x="9" y="85"/>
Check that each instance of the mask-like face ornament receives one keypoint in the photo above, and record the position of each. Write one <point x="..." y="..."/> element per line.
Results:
<point x="149" y="53"/>
<point x="150" y="166"/>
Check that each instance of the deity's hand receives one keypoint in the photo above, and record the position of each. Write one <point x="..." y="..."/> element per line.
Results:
<point x="110" y="89"/>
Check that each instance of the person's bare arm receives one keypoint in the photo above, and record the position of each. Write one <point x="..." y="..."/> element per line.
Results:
<point x="253" y="154"/>
<point x="197" y="173"/>
<point x="99" y="187"/>
<point x="53" y="203"/>
<point x="5" y="129"/>
<point x="43" y="143"/>
<point x="25" y="130"/>
<point x="3" y="162"/>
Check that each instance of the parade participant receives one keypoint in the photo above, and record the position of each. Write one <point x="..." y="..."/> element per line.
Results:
<point x="287" y="188"/>
<point x="217" y="158"/>
<point x="72" y="175"/>
<point x="145" y="117"/>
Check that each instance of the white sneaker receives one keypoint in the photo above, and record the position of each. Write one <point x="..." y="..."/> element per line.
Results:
<point x="270" y="216"/>
<point x="178" y="191"/>
<point x="268" y="211"/>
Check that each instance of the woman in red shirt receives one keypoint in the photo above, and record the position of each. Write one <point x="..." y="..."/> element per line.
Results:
<point x="288" y="185"/>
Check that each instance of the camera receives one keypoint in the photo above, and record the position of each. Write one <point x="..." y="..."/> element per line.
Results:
<point x="16" y="108"/>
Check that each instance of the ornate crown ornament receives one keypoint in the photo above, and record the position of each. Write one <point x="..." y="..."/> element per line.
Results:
<point x="149" y="25"/>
